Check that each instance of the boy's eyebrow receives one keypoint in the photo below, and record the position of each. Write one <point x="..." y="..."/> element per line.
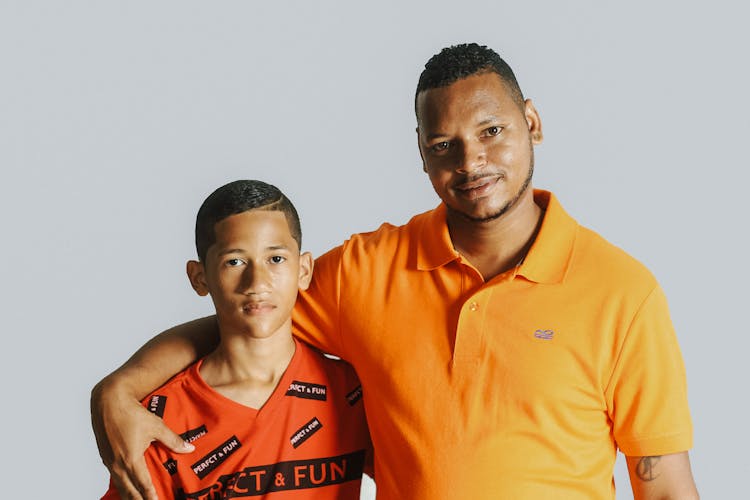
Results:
<point x="231" y="250"/>
<point x="240" y="250"/>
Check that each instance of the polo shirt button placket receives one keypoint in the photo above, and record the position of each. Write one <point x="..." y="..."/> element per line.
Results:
<point x="469" y="335"/>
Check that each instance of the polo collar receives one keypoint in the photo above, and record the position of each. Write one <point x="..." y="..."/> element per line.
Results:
<point x="548" y="258"/>
<point x="434" y="246"/>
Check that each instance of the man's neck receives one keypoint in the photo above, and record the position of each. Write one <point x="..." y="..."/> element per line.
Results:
<point x="247" y="370"/>
<point x="496" y="246"/>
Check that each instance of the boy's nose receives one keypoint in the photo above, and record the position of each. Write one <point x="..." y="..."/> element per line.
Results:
<point x="255" y="280"/>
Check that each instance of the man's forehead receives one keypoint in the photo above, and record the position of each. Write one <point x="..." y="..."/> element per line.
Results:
<point x="483" y="93"/>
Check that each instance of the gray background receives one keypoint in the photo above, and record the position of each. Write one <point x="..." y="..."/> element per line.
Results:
<point x="118" y="118"/>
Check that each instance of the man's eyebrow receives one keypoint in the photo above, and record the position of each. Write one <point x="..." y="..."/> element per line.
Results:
<point x="487" y="121"/>
<point x="435" y="136"/>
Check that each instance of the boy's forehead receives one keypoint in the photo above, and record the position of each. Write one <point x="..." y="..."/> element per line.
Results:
<point x="256" y="225"/>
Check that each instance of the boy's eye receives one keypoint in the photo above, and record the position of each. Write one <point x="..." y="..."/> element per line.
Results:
<point x="277" y="259"/>
<point x="234" y="262"/>
<point x="494" y="130"/>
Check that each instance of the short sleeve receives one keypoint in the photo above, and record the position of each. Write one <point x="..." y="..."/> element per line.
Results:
<point x="316" y="314"/>
<point x="647" y="393"/>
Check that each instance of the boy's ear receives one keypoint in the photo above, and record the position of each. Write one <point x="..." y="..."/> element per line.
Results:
<point x="305" y="270"/>
<point x="197" y="276"/>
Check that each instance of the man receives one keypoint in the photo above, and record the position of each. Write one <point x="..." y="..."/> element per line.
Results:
<point x="504" y="350"/>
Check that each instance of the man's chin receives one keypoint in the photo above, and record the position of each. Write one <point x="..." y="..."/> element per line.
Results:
<point x="486" y="209"/>
<point x="480" y="216"/>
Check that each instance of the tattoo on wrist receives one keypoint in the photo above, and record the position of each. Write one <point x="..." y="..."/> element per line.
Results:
<point x="645" y="470"/>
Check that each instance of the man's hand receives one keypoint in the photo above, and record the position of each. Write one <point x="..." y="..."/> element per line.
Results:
<point x="123" y="430"/>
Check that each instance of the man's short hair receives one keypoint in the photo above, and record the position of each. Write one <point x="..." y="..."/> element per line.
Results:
<point x="460" y="61"/>
<point x="235" y="198"/>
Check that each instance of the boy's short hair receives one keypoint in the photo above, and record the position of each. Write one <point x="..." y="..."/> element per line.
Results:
<point x="235" y="198"/>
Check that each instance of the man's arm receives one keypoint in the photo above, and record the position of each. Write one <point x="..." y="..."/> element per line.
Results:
<point x="666" y="477"/>
<point x="122" y="426"/>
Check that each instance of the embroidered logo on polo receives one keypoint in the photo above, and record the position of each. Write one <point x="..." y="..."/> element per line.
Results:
<point x="157" y="404"/>
<point x="544" y="334"/>
<point x="354" y="396"/>
<point x="307" y="390"/>
<point x="171" y="466"/>
<point x="291" y="475"/>
<point x="304" y="432"/>
<point x="193" y="434"/>
<point x="215" y="457"/>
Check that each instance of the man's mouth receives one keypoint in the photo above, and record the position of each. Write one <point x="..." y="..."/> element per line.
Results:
<point x="476" y="188"/>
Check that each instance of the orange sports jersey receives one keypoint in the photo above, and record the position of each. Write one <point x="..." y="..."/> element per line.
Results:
<point x="520" y="387"/>
<point x="308" y="441"/>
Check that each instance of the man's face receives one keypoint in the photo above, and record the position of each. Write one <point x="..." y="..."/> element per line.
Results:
<point x="253" y="272"/>
<point x="476" y="145"/>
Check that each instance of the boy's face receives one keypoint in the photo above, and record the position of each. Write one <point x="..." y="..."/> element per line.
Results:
<point x="253" y="272"/>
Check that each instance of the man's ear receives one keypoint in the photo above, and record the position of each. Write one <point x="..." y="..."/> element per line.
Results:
<point x="197" y="276"/>
<point x="306" y="264"/>
<point x="533" y="121"/>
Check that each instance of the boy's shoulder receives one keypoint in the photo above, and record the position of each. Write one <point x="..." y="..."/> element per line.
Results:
<point x="327" y="364"/>
<point x="174" y="388"/>
<point x="317" y="368"/>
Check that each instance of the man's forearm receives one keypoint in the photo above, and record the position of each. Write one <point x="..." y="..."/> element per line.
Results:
<point x="122" y="427"/>
<point x="162" y="357"/>
<point x="666" y="477"/>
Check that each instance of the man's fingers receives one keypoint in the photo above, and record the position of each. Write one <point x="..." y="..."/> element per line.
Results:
<point x="139" y="475"/>
<point x="165" y="436"/>
<point x="124" y="429"/>
<point x="125" y="487"/>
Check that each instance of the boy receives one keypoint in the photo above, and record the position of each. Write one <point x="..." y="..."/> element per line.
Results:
<point x="267" y="414"/>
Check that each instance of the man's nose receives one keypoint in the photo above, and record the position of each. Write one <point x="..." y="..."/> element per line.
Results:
<point x="472" y="156"/>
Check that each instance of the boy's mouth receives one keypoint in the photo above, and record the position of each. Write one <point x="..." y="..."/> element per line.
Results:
<point x="257" y="307"/>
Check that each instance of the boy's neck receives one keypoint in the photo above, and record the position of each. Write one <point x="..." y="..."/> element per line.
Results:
<point x="247" y="370"/>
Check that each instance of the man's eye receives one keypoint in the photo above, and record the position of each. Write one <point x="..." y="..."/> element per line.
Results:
<point x="234" y="262"/>
<point x="494" y="130"/>
<point x="440" y="146"/>
<point x="277" y="259"/>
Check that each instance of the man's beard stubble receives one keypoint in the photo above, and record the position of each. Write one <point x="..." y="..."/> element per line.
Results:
<point x="509" y="204"/>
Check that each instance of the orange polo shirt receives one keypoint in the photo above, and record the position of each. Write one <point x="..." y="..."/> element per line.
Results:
<point x="520" y="387"/>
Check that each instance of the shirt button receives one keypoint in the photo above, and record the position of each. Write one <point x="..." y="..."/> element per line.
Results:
<point x="473" y="306"/>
